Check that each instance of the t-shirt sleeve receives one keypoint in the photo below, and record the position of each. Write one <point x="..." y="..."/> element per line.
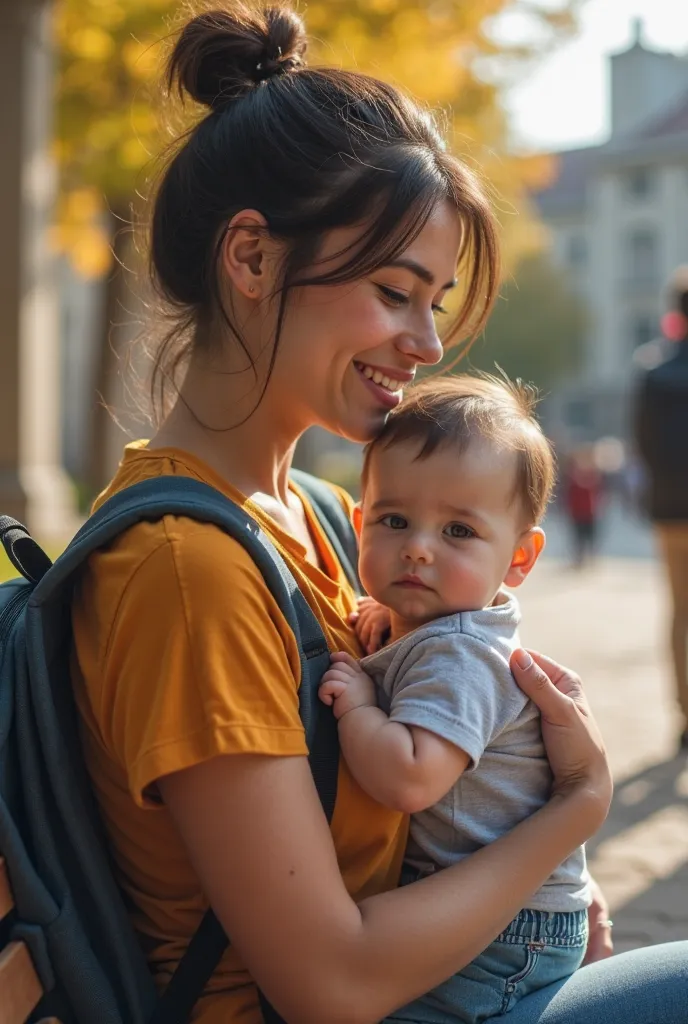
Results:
<point x="459" y="688"/>
<point x="200" y="662"/>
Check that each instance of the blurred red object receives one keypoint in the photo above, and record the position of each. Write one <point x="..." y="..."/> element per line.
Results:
<point x="674" y="326"/>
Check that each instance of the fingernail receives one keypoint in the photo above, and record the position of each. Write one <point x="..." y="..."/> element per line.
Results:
<point x="523" y="659"/>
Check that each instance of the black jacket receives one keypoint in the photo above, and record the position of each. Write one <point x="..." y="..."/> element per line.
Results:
<point x="661" y="426"/>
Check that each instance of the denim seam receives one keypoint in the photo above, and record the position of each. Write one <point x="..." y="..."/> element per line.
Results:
<point x="552" y="928"/>
<point x="511" y="984"/>
<point x="572" y="941"/>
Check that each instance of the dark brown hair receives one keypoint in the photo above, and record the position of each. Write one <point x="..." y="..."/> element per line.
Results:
<point x="454" y="411"/>
<point x="312" y="149"/>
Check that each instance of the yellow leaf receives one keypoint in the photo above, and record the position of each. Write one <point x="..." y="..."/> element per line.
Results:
<point x="109" y="14"/>
<point x="83" y="205"/>
<point x="92" y="43"/>
<point x="91" y="254"/>
<point x="133" y="154"/>
<point x="142" y="59"/>
<point x="102" y="135"/>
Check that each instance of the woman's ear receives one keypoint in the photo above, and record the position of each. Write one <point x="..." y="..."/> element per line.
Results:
<point x="530" y="547"/>
<point x="248" y="255"/>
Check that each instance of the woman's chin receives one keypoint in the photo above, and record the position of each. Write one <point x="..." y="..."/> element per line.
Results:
<point x="363" y="429"/>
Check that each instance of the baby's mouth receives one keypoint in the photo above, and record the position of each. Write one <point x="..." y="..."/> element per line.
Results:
<point x="410" y="581"/>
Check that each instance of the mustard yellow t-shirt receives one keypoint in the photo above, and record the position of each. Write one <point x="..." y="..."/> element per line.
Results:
<point x="181" y="654"/>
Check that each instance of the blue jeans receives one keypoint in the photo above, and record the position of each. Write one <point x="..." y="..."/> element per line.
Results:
<point x="645" y="986"/>
<point x="535" y="950"/>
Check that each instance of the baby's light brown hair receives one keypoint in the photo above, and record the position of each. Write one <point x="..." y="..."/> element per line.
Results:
<point x="456" y="410"/>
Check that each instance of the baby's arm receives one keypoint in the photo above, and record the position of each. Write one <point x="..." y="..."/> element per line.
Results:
<point x="404" y="767"/>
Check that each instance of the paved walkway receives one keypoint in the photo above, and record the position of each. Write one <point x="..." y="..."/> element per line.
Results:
<point x="607" y="623"/>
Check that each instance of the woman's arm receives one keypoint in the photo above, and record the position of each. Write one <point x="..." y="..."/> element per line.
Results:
<point x="263" y="852"/>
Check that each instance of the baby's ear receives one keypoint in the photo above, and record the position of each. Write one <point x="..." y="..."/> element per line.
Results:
<point x="357" y="518"/>
<point x="530" y="547"/>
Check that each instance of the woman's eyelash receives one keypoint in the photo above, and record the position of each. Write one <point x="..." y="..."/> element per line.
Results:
<point x="401" y="300"/>
<point x="393" y="296"/>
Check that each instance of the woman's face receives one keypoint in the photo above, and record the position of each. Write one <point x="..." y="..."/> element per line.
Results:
<point x="347" y="350"/>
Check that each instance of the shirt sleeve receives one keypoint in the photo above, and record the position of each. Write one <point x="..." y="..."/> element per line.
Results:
<point x="459" y="688"/>
<point x="200" y="661"/>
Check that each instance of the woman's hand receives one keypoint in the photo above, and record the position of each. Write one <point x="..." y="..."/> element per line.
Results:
<point x="371" y="621"/>
<point x="600" y="942"/>
<point x="572" y="738"/>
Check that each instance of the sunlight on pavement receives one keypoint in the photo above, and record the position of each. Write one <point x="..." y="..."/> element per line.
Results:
<point x="630" y="863"/>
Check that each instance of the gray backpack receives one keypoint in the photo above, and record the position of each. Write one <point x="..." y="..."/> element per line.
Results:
<point x="68" y="907"/>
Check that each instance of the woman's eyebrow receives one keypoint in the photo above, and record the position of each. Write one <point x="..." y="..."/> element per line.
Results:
<point x="420" y="271"/>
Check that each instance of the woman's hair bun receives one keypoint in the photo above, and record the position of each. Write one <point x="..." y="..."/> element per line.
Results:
<point x="221" y="54"/>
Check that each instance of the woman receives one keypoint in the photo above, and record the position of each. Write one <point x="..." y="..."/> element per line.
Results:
<point x="304" y="236"/>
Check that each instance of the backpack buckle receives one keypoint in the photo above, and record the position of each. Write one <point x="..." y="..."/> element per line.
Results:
<point x="24" y="553"/>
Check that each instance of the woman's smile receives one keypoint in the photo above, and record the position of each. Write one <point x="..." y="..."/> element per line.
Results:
<point x="385" y="383"/>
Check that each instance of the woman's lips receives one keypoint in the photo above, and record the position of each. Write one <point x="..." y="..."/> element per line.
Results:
<point x="373" y="379"/>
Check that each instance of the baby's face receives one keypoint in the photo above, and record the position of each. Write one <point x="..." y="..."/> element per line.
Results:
<point x="439" y="535"/>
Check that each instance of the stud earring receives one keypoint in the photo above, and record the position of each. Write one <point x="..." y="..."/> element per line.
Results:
<point x="251" y="288"/>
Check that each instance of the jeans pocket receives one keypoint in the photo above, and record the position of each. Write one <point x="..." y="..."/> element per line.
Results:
<point x="532" y="952"/>
<point x="511" y="965"/>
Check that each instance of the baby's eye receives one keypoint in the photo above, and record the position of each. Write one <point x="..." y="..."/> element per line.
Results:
<point x="459" y="531"/>
<point x="394" y="522"/>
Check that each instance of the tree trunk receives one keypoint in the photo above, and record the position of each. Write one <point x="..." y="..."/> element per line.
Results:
<point x="107" y="360"/>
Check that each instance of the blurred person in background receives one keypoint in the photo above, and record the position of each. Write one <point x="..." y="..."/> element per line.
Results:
<point x="582" y="499"/>
<point x="661" y="425"/>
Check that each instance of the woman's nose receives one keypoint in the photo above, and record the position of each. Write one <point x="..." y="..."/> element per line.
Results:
<point x="423" y="346"/>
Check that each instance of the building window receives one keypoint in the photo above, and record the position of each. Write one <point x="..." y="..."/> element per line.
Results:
<point x="643" y="329"/>
<point x="639" y="182"/>
<point x="642" y="256"/>
<point x="576" y="251"/>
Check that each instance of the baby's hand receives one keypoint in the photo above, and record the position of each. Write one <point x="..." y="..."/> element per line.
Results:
<point x="371" y="621"/>
<point x="346" y="686"/>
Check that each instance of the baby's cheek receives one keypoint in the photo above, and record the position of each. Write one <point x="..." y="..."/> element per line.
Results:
<point x="374" y="567"/>
<point x="465" y="582"/>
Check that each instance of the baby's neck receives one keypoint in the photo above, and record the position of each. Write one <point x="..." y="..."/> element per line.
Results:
<point x="401" y="627"/>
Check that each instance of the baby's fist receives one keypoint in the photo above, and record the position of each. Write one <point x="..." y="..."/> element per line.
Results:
<point x="371" y="621"/>
<point x="345" y="686"/>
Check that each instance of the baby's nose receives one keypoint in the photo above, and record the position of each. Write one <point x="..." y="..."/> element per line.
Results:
<point x="418" y="549"/>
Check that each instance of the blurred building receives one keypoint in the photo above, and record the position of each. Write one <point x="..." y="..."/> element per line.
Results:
<point x="618" y="215"/>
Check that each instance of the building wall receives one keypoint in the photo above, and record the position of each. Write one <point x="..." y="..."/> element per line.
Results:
<point x="619" y="250"/>
<point x="644" y="83"/>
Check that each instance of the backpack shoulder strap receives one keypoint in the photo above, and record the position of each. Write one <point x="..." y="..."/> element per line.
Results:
<point x="182" y="496"/>
<point x="334" y="521"/>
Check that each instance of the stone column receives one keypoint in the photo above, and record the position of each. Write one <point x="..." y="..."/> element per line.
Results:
<point x="33" y="486"/>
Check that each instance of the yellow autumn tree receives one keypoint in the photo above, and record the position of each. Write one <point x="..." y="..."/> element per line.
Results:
<point x="110" y="54"/>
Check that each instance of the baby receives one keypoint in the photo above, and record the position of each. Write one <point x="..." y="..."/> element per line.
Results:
<point x="434" y="724"/>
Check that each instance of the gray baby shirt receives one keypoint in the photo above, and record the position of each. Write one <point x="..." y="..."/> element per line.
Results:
<point x="452" y="677"/>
